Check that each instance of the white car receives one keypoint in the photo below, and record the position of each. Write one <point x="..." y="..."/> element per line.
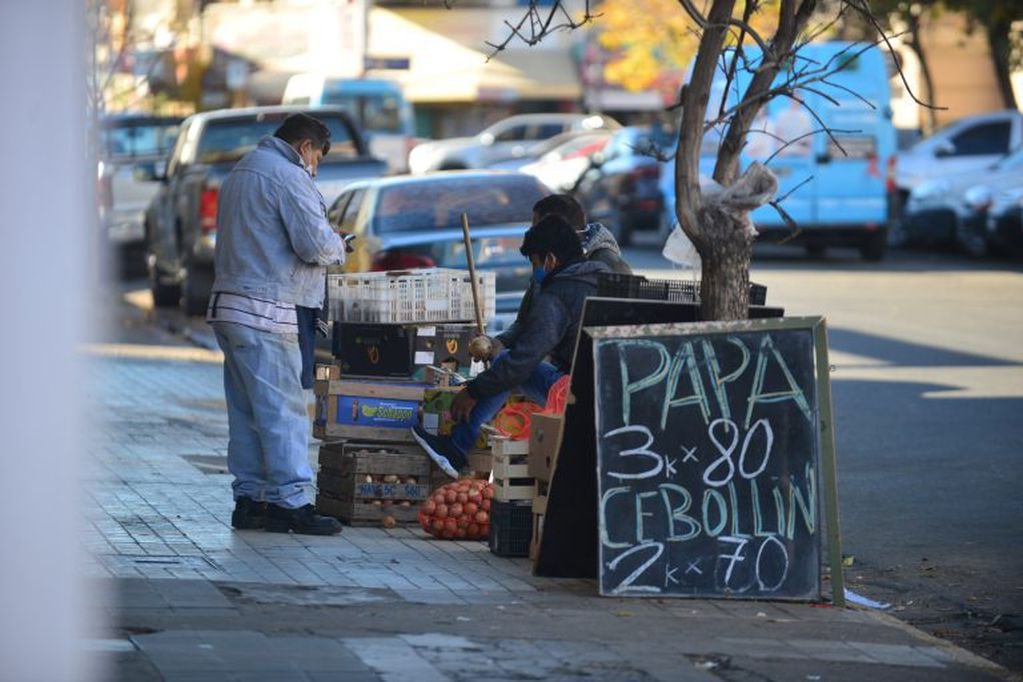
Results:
<point x="969" y="144"/>
<point x="507" y="139"/>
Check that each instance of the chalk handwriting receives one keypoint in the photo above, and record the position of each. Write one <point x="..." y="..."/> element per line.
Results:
<point x="627" y="584"/>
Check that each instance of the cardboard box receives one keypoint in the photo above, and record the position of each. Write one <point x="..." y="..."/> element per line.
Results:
<point x="545" y="432"/>
<point x="370" y="349"/>
<point x="402" y="350"/>
<point x="367" y="410"/>
<point x="437" y="413"/>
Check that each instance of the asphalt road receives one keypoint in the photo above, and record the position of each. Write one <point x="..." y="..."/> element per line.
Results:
<point x="927" y="355"/>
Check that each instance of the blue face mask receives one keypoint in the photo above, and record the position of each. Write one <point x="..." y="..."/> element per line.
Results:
<point x="538" y="274"/>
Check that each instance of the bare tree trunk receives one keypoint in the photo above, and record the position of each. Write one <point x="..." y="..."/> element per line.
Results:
<point x="925" y="71"/>
<point x="724" y="290"/>
<point x="998" y="43"/>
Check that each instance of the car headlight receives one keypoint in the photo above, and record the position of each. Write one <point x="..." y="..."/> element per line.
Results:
<point x="978" y="197"/>
<point x="928" y="191"/>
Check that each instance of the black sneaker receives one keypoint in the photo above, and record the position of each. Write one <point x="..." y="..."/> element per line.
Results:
<point x="248" y="514"/>
<point x="303" y="520"/>
<point x="441" y="450"/>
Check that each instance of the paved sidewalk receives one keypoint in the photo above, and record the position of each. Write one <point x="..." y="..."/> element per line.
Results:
<point x="195" y="600"/>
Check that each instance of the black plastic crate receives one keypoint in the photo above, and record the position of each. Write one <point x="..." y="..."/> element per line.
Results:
<point x="617" y="285"/>
<point x="511" y="528"/>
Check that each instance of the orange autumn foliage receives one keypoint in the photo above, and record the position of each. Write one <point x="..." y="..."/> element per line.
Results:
<point x="649" y="37"/>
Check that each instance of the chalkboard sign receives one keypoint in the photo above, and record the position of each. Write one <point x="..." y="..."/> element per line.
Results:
<point x="568" y="544"/>
<point x="708" y="444"/>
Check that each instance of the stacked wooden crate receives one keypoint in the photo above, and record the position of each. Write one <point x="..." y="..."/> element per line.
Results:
<point x="372" y="483"/>
<point x="510" y="511"/>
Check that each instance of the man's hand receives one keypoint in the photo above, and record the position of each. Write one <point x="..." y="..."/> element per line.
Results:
<point x="462" y="405"/>
<point x="484" y="348"/>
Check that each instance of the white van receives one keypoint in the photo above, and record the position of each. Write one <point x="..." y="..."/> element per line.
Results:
<point x="378" y="106"/>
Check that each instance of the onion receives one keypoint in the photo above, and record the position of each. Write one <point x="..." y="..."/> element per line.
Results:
<point x="470" y="509"/>
<point x="455" y="510"/>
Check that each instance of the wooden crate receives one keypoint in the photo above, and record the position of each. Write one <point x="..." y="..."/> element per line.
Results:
<point x="362" y="483"/>
<point x="511" y="478"/>
<point x="361" y="513"/>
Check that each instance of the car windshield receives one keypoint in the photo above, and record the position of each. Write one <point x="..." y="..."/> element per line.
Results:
<point x="127" y="140"/>
<point x="375" y="113"/>
<point x="438" y="204"/>
<point x="231" y="139"/>
<point x="644" y="142"/>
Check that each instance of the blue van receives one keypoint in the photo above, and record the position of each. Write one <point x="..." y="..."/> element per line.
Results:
<point x="839" y="198"/>
<point x="378" y="106"/>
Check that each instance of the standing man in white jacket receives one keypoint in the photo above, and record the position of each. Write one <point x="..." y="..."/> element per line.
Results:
<point x="273" y="244"/>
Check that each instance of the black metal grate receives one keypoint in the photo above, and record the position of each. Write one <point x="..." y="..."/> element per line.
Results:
<point x="617" y="285"/>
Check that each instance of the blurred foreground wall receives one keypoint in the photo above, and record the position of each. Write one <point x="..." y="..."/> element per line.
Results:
<point x="45" y="223"/>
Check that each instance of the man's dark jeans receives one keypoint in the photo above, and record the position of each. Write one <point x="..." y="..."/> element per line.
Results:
<point x="307" y="318"/>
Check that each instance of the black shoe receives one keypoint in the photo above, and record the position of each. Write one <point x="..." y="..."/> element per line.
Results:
<point x="441" y="450"/>
<point x="248" y="514"/>
<point x="303" y="520"/>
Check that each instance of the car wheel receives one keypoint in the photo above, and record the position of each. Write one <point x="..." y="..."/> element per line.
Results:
<point x="164" y="295"/>
<point x="195" y="291"/>
<point x="875" y="245"/>
<point x="973" y="245"/>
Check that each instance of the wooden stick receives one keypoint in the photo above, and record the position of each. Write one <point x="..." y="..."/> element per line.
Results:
<point x="472" y="273"/>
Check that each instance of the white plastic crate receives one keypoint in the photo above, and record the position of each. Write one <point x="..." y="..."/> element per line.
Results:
<point x="427" y="295"/>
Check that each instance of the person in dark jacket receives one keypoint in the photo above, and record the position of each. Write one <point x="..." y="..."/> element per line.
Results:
<point x="598" y="244"/>
<point x="565" y="278"/>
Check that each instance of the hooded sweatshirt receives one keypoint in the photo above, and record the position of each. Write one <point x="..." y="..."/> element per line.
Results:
<point x="549" y="329"/>
<point x="599" y="245"/>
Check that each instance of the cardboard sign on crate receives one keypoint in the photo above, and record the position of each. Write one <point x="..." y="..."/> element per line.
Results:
<point x="363" y="483"/>
<point x="367" y="410"/>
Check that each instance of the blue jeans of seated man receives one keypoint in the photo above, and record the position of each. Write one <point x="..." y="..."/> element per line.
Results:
<point x="268" y="423"/>
<point x="536" y="387"/>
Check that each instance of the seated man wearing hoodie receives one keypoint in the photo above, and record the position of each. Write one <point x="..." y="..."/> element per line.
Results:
<point x="565" y="278"/>
<point x="598" y="244"/>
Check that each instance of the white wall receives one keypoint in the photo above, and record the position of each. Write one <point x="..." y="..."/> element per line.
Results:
<point x="45" y="195"/>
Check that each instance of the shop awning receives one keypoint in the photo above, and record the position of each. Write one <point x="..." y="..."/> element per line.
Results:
<point x="448" y="58"/>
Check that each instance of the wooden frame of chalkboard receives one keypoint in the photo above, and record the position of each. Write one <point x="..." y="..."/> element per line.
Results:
<point x="745" y="449"/>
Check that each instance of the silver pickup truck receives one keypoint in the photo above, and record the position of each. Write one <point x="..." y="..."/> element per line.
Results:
<point x="131" y="148"/>
<point x="181" y="221"/>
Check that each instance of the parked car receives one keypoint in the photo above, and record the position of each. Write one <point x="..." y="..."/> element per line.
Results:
<point x="561" y="166"/>
<point x="415" y="222"/>
<point x="952" y="210"/>
<point x="621" y="186"/>
<point x="969" y="144"/>
<point x="131" y="146"/>
<point x="181" y="221"/>
<point x="378" y="106"/>
<point x="1004" y="233"/>
<point x="507" y="139"/>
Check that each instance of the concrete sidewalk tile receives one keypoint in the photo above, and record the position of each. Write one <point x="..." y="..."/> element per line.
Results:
<point x="760" y="648"/>
<point x="829" y="650"/>
<point x="897" y="654"/>
<point x="394" y="659"/>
